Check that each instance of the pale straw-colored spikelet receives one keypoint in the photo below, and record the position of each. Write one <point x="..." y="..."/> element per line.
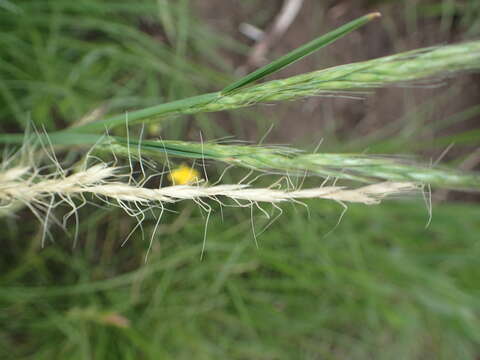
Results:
<point x="25" y="185"/>
<point x="42" y="192"/>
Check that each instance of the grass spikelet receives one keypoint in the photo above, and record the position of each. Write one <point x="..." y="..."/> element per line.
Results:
<point x="355" y="167"/>
<point x="403" y="68"/>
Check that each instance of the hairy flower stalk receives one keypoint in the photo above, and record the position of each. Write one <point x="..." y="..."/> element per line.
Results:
<point x="103" y="181"/>
<point x="407" y="67"/>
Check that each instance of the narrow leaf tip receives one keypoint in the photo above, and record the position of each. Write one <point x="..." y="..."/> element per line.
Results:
<point x="374" y="15"/>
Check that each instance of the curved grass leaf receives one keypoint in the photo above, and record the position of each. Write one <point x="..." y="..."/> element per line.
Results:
<point x="300" y="52"/>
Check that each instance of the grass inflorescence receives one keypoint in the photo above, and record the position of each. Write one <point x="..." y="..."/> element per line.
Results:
<point x="293" y="162"/>
<point x="400" y="69"/>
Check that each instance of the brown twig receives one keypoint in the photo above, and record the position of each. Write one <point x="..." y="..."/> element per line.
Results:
<point x="283" y="20"/>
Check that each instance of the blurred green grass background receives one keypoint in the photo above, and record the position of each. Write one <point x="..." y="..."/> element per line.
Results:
<point x="380" y="285"/>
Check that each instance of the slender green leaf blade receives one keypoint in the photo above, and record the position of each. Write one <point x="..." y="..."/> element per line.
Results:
<point x="301" y="52"/>
<point x="147" y="113"/>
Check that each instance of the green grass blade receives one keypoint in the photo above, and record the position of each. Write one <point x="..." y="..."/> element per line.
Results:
<point x="300" y="52"/>
<point x="150" y="113"/>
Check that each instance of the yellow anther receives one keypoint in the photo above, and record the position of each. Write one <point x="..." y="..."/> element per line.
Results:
<point x="184" y="175"/>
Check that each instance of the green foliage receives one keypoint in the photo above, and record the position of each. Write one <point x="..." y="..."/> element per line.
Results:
<point x="380" y="286"/>
<point x="62" y="59"/>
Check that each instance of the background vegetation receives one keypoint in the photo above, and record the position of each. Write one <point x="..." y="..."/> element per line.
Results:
<point x="378" y="285"/>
